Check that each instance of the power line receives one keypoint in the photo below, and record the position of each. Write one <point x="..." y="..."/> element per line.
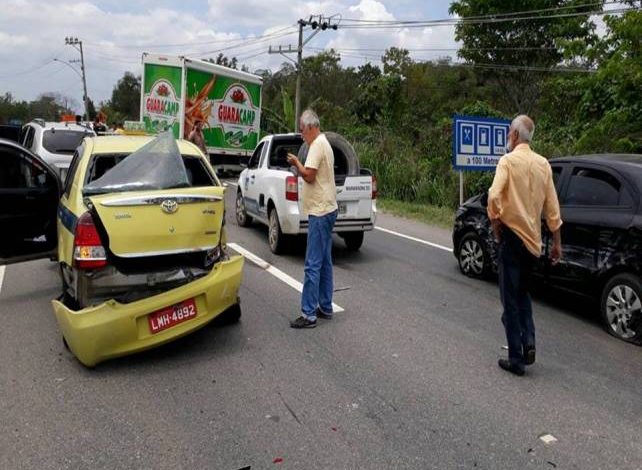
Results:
<point x="490" y="15"/>
<point x="458" y="21"/>
<point x="215" y="41"/>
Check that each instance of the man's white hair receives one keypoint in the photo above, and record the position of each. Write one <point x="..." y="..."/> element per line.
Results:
<point x="310" y="118"/>
<point x="524" y="126"/>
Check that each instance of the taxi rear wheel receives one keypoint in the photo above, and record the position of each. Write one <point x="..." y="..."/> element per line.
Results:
<point x="230" y="316"/>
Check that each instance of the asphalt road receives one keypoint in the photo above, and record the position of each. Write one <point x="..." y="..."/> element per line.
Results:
<point x="405" y="377"/>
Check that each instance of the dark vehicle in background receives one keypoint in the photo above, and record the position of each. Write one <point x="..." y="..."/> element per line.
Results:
<point x="10" y="132"/>
<point x="601" y="203"/>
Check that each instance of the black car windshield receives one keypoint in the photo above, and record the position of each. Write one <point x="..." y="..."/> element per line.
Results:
<point x="157" y="165"/>
<point x="63" y="140"/>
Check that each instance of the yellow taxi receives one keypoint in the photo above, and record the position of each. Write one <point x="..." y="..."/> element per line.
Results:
<point x="141" y="246"/>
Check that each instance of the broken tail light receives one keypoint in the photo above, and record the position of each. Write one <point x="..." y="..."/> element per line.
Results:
<point x="89" y="252"/>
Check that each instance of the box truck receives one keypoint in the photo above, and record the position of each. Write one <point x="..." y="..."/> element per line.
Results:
<point x="178" y="92"/>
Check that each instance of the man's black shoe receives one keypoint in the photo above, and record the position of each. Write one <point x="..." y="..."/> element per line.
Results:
<point x="529" y="355"/>
<point x="322" y="314"/>
<point x="303" y="322"/>
<point x="513" y="369"/>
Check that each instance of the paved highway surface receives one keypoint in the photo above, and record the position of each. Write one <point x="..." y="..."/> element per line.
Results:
<point x="405" y="377"/>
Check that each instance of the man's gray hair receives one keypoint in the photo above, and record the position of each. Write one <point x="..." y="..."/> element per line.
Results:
<point x="310" y="118"/>
<point x="524" y="126"/>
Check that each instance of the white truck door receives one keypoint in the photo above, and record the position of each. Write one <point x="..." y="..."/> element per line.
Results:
<point x="250" y="183"/>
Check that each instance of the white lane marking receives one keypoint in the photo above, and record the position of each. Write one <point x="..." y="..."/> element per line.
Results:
<point x="414" y="239"/>
<point x="229" y="183"/>
<point x="2" y="268"/>
<point x="276" y="272"/>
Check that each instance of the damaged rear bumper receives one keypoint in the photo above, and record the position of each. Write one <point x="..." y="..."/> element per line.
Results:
<point x="113" y="329"/>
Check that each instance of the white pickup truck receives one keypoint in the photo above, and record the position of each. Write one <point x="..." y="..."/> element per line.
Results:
<point x="268" y="191"/>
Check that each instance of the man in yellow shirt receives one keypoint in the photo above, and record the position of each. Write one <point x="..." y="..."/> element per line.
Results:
<point x="522" y="191"/>
<point x="319" y="201"/>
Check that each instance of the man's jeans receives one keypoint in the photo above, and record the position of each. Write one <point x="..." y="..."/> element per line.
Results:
<point x="515" y="264"/>
<point x="318" y="285"/>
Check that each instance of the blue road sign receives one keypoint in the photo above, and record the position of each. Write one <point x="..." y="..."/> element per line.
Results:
<point x="478" y="142"/>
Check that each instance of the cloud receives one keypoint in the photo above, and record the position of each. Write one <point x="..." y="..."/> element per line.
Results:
<point x="32" y="33"/>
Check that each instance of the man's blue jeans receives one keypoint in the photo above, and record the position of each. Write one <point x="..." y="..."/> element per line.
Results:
<point x="515" y="265"/>
<point x="317" y="284"/>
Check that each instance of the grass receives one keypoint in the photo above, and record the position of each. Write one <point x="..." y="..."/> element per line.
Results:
<point x="434" y="215"/>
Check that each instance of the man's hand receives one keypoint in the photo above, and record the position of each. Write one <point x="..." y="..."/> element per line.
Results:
<point x="556" y="249"/>
<point x="496" y="225"/>
<point x="293" y="160"/>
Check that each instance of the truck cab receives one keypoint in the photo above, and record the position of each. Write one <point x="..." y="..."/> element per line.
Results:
<point x="268" y="191"/>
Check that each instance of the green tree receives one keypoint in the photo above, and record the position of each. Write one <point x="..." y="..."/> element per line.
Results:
<point x="125" y="98"/>
<point x="222" y="59"/>
<point x="511" y="52"/>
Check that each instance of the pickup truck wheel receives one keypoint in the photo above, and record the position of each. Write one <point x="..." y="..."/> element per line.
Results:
<point x="242" y="218"/>
<point x="353" y="240"/>
<point x="276" y="239"/>
<point x="621" y="307"/>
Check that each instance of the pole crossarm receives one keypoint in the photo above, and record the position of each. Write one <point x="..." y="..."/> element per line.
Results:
<point x="317" y="23"/>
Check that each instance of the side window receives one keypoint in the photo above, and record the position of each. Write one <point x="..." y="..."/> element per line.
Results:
<point x="591" y="187"/>
<point x="20" y="171"/>
<point x="73" y="167"/>
<point x="263" y="152"/>
<point x="23" y="135"/>
<point x="254" y="160"/>
<point x="29" y="138"/>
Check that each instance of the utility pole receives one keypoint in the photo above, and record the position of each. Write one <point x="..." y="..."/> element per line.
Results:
<point x="318" y="21"/>
<point x="72" y="41"/>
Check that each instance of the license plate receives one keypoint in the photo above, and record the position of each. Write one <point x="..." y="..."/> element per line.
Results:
<point x="171" y="316"/>
<point x="343" y="207"/>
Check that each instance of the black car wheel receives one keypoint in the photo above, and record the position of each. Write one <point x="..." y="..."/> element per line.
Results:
<point x="242" y="218"/>
<point x="230" y="316"/>
<point x="353" y="240"/>
<point x="621" y="307"/>
<point x="472" y="256"/>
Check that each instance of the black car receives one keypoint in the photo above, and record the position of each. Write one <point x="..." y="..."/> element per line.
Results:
<point x="601" y="203"/>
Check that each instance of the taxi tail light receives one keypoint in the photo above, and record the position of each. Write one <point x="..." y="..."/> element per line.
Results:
<point x="291" y="188"/>
<point x="89" y="252"/>
<point x="374" y="187"/>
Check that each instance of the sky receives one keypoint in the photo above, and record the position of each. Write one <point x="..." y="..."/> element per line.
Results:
<point x="35" y="59"/>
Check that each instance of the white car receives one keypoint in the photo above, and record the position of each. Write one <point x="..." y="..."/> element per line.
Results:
<point x="54" y="142"/>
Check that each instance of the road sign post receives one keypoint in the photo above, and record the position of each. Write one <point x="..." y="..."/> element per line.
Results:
<point x="478" y="144"/>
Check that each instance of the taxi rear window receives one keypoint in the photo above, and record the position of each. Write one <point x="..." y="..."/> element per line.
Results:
<point x="197" y="173"/>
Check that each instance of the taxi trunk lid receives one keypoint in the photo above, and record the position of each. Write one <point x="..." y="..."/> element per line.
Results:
<point x="160" y="222"/>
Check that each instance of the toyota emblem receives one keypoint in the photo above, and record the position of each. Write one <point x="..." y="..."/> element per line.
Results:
<point x="169" y="206"/>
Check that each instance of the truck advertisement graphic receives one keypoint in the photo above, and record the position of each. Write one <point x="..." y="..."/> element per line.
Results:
<point x="161" y="98"/>
<point x="228" y="108"/>
<point x="179" y="93"/>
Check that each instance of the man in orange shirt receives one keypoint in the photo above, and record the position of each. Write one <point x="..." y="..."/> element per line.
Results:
<point x="522" y="191"/>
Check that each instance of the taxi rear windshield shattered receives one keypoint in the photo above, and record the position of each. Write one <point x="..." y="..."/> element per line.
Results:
<point x="156" y="165"/>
